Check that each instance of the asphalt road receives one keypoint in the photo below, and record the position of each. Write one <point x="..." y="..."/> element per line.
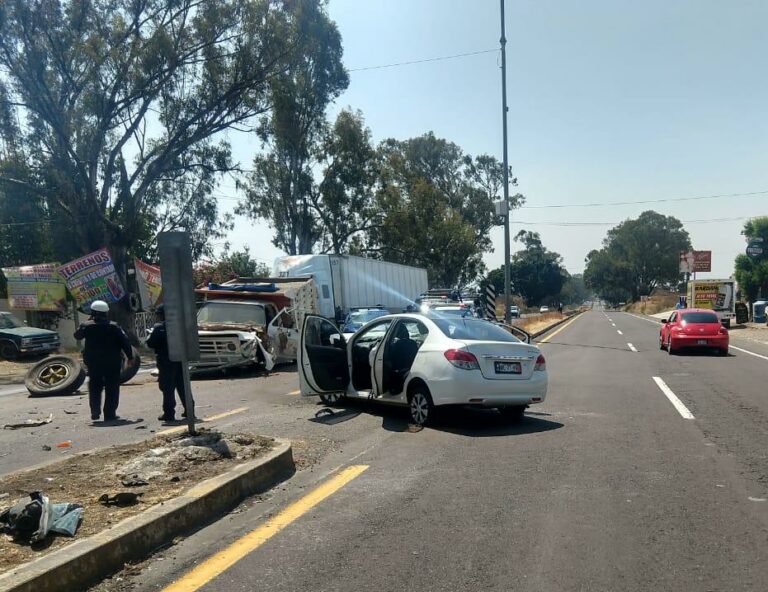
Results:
<point x="608" y="485"/>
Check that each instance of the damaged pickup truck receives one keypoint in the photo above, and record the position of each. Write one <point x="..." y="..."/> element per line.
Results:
<point x="252" y="322"/>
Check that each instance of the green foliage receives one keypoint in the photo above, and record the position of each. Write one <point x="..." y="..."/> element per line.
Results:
<point x="637" y="256"/>
<point x="229" y="266"/>
<point x="121" y="105"/>
<point x="281" y="187"/>
<point x="752" y="274"/>
<point x="574" y="290"/>
<point x="536" y="273"/>
<point x="436" y="208"/>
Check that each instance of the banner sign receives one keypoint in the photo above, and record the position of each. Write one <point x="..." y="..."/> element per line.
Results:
<point x="702" y="261"/>
<point x="36" y="287"/>
<point x="150" y="283"/>
<point x="695" y="261"/>
<point x="92" y="277"/>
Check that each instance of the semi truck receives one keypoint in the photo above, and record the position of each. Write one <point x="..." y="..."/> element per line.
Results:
<point x="716" y="295"/>
<point x="252" y="321"/>
<point x="346" y="282"/>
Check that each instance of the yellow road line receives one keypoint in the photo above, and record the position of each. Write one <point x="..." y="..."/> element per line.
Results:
<point x="561" y="328"/>
<point x="178" y="429"/>
<point x="223" y="560"/>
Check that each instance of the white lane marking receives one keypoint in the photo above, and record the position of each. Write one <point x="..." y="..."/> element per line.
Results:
<point x="746" y="351"/>
<point x="632" y="347"/>
<point x="678" y="404"/>
<point x="619" y="332"/>
<point x="613" y="324"/>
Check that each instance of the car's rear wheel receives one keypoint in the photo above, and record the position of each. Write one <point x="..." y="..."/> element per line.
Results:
<point x="8" y="350"/>
<point x="56" y="375"/>
<point x="513" y="413"/>
<point x="332" y="399"/>
<point x="421" y="407"/>
<point x="722" y="352"/>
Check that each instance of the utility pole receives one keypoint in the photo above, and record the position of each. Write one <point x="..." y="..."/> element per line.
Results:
<point x="506" y="208"/>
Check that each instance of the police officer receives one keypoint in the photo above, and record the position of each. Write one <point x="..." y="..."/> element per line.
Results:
<point x="171" y="374"/>
<point x="104" y="342"/>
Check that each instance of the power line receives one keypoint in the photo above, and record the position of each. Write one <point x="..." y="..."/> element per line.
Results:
<point x="645" y="201"/>
<point x="424" y="61"/>
<point x="591" y="224"/>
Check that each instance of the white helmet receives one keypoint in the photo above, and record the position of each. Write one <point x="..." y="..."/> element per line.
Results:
<point x="99" y="306"/>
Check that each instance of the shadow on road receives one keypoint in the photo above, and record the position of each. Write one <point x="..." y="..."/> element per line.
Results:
<point x="465" y="421"/>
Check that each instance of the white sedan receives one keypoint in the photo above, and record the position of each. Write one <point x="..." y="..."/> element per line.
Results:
<point x="424" y="362"/>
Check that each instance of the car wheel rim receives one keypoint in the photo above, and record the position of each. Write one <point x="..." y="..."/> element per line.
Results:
<point x="419" y="408"/>
<point x="331" y="398"/>
<point x="53" y="374"/>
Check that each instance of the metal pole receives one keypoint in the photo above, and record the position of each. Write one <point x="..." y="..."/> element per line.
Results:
<point x="503" y="42"/>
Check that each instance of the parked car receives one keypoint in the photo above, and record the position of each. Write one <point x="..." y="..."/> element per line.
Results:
<point x="17" y="340"/>
<point x="544" y="309"/>
<point x="424" y="362"/>
<point x="358" y="317"/>
<point x="514" y="312"/>
<point x="693" y="328"/>
<point x="450" y="310"/>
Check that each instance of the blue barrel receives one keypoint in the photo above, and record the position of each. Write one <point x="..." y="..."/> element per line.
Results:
<point x="758" y="311"/>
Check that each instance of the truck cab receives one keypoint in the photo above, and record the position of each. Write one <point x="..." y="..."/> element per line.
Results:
<point x="251" y="322"/>
<point x="16" y="339"/>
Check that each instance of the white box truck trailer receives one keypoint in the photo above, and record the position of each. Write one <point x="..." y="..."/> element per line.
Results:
<point x="348" y="282"/>
<point x="716" y="295"/>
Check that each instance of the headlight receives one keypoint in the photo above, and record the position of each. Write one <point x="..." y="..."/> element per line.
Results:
<point x="231" y="347"/>
<point x="26" y="341"/>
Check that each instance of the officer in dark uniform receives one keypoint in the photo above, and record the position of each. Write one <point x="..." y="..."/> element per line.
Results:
<point x="104" y="342"/>
<point x="171" y="374"/>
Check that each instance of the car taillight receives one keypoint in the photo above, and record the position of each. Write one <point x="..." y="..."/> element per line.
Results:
<point x="723" y="331"/>
<point x="462" y="359"/>
<point x="541" y="363"/>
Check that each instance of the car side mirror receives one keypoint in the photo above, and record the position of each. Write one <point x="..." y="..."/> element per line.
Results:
<point x="664" y="321"/>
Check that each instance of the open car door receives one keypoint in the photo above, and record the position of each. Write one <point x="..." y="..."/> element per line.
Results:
<point x="322" y="363"/>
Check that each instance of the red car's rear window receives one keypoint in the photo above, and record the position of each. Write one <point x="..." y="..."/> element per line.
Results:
<point x="700" y="318"/>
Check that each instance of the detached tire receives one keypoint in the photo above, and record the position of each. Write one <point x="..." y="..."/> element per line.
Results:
<point x="128" y="372"/>
<point x="56" y="375"/>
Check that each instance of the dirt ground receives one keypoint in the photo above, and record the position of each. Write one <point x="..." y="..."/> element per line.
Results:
<point x="539" y="323"/>
<point x="658" y="302"/>
<point x="15" y="370"/>
<point x="84" y="478"/>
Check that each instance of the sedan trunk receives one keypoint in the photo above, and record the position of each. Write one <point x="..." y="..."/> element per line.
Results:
<point x="503" y="361"/>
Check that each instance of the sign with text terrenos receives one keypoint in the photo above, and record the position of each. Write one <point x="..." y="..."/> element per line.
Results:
<point x="92" y="277"/>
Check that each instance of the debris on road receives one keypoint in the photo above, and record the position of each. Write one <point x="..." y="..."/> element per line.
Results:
<point x="122" y="499"/>
<point x="29" y="423"/>
<point x="134" y="482"/>
<point x="33" y="518"/>
<point x="82" y="479"/>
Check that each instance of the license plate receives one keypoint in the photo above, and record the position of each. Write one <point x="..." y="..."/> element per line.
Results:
<point x="702" y="342"/>
<point x="507" y="367"/>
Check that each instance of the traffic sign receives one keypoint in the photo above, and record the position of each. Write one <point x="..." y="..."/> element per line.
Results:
<point x="755" y="248"/>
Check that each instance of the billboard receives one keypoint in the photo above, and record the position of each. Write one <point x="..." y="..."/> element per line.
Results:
<point x="695" y="261"/>
<point x="92" y="277"/>
<point x="150" y="283"/>
<point x="36" y="287"/>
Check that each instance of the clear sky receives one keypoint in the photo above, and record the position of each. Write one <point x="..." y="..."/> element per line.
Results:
<point x="609" y="101"/>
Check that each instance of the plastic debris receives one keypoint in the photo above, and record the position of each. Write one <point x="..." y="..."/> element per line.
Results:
<point x="29" y="423"/>
<point x="65" y="444"/>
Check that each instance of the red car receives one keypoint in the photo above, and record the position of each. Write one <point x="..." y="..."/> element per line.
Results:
<point x="693" y="327"/>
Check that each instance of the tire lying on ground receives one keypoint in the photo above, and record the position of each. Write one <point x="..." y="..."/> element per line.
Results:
<point x="55" y="375"/>
<point x="128" y="372"/>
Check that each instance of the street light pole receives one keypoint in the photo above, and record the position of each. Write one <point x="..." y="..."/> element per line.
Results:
<point x="507" y="209"/>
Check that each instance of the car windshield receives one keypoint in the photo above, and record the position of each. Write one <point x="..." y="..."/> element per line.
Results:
<point x="474" y="330"/>
<point x="700" y="318"/>
<point x="9" y="322"/>
<point x="232" y="313"/>
<point x="361" y="317"/>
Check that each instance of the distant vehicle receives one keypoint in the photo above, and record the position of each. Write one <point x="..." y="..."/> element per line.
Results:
<point x="693" y="328"/>
<point x="448" y="310"/>
<point x="345" y="282"/>
<point x="514" y="312"/>
<point x="360" y="316"/>
<point x="544" y="309"/>
<point x="715" y="295"/>
<point x="17" y="340"/>
<point x="423" y="362"/>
